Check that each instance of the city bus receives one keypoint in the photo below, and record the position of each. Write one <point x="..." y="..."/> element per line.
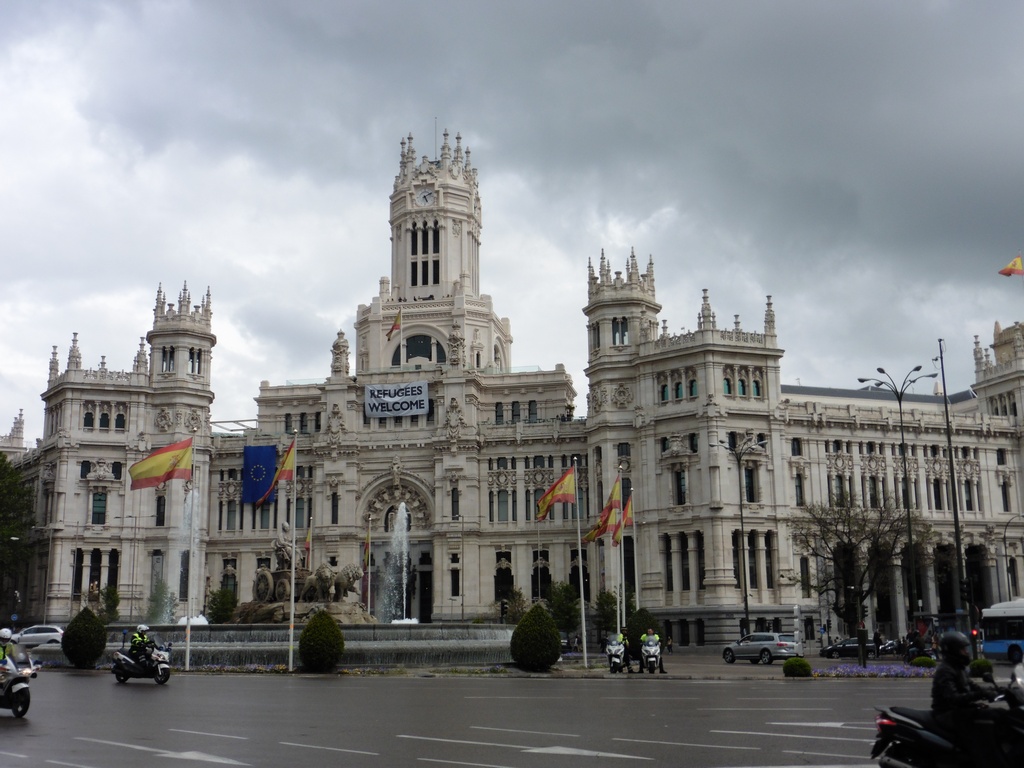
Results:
<point x="1003" y="631"/>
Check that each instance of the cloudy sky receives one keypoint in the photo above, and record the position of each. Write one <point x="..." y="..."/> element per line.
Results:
<point x="861" y="162"/>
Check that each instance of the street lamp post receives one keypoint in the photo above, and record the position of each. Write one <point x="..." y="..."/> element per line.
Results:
<point x="739" y="451"/>
<point x="1006" y="555"/>
<point x="898" y="392"/>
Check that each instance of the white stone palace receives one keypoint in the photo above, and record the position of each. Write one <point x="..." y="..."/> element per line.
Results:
<point x="662" y="408"/>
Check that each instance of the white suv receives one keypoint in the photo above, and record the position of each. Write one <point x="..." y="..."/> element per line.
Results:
<point x="41" y="634"/>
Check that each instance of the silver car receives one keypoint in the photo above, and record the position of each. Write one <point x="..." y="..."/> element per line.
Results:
<point x="761" y="648"/>
<point x="40" y="634"/>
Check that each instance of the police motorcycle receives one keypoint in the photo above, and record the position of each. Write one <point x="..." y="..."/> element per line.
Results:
<point x="15" y="671"/>
<point x="616" y="654"/>
<point x="155" y="666"/>
<point x="909" y="738"/>
<point x="650" y="655"/>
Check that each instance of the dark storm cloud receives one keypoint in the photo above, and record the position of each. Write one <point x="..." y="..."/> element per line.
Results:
<point x="857" y="161"/>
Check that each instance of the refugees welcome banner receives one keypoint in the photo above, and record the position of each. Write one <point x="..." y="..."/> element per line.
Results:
<point x="383" y="400"/>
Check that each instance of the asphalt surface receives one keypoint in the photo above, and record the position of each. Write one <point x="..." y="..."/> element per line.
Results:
<point x="703" y="713"/>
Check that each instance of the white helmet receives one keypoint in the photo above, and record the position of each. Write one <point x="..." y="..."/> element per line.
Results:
<point x="142" y="628"/>
<point x="5" y="635"/>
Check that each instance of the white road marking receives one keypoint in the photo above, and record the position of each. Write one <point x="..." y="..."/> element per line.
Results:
<point x="580" y="753"/>
<point x="515" y="730"/>
<point x="69" y="765"/>
<point x="795" y="736"/>
<point x="462" y="741"/>
<point x="828" y="725"/>
<point x="822" y="754"/>
<point x="204" y="733"/>
<point x="456" y="762"/>
<point x="760" y="709"/>
<point x="166" y="752"/>
<point x="689" y="744"/>
<point x="328" y="749"/>
<point x="13" y="754"/>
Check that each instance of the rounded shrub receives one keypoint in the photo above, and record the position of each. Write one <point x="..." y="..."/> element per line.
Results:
<point x="923" y="661"/>
<point x="796" y="667"/>
<point x="321" y="643"/>
<point x="536" y="643"/>
<point x="980" y="667"/>
<point x="84" y="640"/>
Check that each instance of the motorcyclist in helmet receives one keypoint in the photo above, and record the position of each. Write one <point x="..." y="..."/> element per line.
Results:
<point x="140" y="645"/>
<point x="6" y="646"/>
<point x="959" y="703"/>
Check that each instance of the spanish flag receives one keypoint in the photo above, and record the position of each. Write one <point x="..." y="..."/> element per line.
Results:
<point x="609" y="518"/>
<point x="1015" y="267"/>
<point x="627" y="519"/>
<point x="286" y="471"/>
<point x="396" y="326"/>
<point x="162" y="465"/>
<point x="564" y="490"/>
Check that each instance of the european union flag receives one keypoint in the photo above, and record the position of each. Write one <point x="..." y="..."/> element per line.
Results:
<point x="258" y="465"/>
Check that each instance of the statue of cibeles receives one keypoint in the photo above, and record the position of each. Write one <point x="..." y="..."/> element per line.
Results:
<point x="283" y="547"/>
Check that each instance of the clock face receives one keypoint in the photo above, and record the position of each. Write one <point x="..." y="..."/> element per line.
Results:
<point x="424" y="197"/>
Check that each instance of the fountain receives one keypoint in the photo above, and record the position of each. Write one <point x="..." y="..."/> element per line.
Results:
<point x="396" y="577"/>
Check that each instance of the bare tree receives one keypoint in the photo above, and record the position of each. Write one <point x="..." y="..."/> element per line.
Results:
<point x="855" y="547"/>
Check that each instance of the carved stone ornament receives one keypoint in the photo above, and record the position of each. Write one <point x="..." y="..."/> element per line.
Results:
<point x="622" y="395"/>
<point x="164" y="420"/>
<point x="388" y="499"/>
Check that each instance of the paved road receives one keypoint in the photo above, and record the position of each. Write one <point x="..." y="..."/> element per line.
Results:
<point x="85" y="719"/>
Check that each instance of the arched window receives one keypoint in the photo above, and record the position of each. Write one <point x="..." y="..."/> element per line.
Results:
<point x="119" y="421"/>
<point x="693" y="387"/>
<point x="104" y="421"/>
<point x="678" y="390"/>
<point x="741" y="387"/>
<point x="437" y="240"/>
<point x="727" y="386"/>
<point x="756" y="387"/>
<point x="664" y="392"/>
<point x="414" y="242"/>
<point x="89" y="421"/>
<point x="499" y="413"/>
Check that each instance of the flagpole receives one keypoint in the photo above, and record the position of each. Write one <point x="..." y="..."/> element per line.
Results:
<point x="579" y="554"/>
<point x="636" y="551"/>
<point x="291" y="610"/>
<point x="191" y="555"/>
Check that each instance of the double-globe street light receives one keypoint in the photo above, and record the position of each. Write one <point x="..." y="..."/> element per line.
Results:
<point x="749" y="444"/>
<point x="899" y="391"/>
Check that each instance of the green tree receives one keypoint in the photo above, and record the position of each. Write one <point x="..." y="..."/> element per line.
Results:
<point x="221" y="606"/>
<point x="605" y="613"/>
<point x="16" y="519"/>
<point x="637" y="625"/>
<point x="517" y="607"/>
<point x="111" y="601"/>
<point x="564" y="606"/>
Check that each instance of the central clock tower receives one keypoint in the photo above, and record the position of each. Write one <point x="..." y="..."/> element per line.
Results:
<point x="431" y="304"/>
<point x="435" y="224"/>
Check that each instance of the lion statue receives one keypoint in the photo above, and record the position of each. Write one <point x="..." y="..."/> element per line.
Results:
<point x="327" y="585"/>
<point x="345" y="581"/>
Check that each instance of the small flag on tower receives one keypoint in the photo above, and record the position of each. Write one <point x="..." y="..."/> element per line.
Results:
<point x="395" y="326"/>
<point x="1015" y="267"/>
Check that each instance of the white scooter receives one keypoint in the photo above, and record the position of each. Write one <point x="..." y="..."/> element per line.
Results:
<point x="616" y="653"/>
<point x="650" y="655"/>
<point x="156" y="667"/>
<point x="15" y="670"/>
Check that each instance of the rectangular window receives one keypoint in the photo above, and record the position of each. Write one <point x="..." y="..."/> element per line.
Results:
<point x="680" y="487"/>
<point x="455" y="503"/>
<point x="805" y="576"/>
<point x="424" y="271"/>
<point x="99" y="509"/>
<point x="968" y="497"/>
<point x="232" y="521"/>
<point x="437" y="270"/>
<point x="502" y="506"/>
<point x="796" y="447"/>
<point x="1000" y="456"/>
<point x="455" y="582"/>
<point x="798" y="490"/>
<point x="414" y="272"/>
<point x="1005" y="488"/>
<point x="334" y="508"/>
<point x="161" y="511"/>
<point x="750" y="484"/>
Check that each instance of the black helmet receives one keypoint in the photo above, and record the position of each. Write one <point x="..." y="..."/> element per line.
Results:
<point x="952" y="645"/>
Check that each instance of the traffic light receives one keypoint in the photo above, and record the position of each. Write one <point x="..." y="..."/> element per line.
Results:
<point x="504" y="609"/>
<point x="863" y="611"/>
<point x="965" y="590"/>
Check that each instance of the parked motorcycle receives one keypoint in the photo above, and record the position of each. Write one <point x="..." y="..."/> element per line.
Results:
<point x="616" y="654"/>
<point x="15" y="671"/>
<point x="908" y="738"/>
<point x="650" y="655"/>
<point x="156" y="666"/>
